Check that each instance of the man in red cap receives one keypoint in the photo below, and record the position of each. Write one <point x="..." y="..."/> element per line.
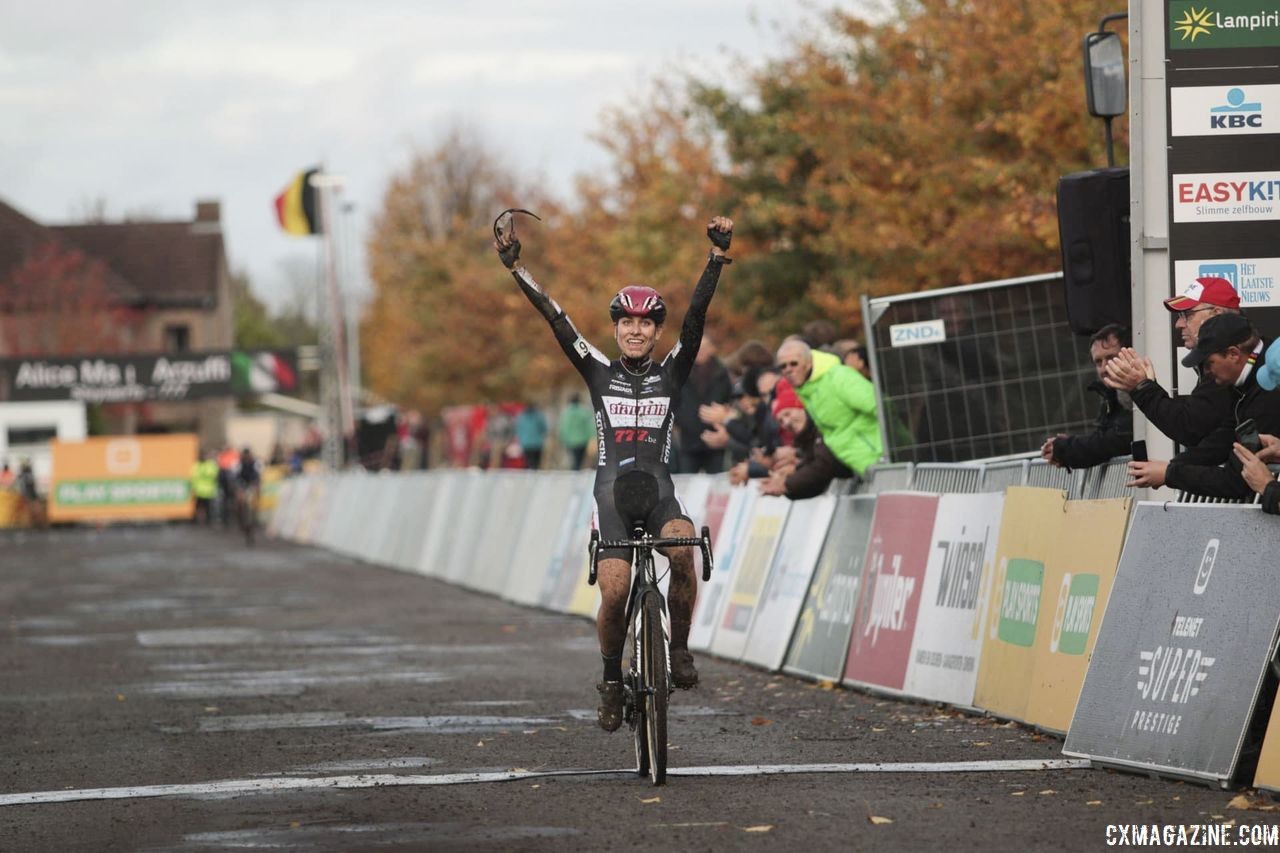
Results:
<point x="1191" y="419"/>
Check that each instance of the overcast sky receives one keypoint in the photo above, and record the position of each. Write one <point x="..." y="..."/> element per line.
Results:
<point x="145" y="106"/>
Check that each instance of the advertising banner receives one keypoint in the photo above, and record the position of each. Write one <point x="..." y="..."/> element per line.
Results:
<point x="885" y="621"/>
<point x="820" y="642"/>
<point x="750" y="576"/>
<point x="1212" y="24"/>
<point x="122" y="478"/>
<point x="1268" y="772"/>
<point x="948" y="638"/>
<point x="718" y="492"/>
<point x="492" y="561"/>
<point x="537" y="541"/>
<point x="471" y="522"/>
<point x="418" y="505"/>
<point x="1224" y="110"/>
<point x="1077" y="584"/>
<point x="450" y="491"/>
<point x="692" y="490"/>
<point x="793" y="564"/>
<point x="570" y="553"/>
<point x="729" y="532"/>
<point x="162" y="377"/>
<point x="1029" y="533"/>
<point x="1257" y="280"/>
<point x="1186" y="642"/>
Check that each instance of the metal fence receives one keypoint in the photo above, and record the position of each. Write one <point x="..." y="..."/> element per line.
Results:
<point x="979" y="371"/>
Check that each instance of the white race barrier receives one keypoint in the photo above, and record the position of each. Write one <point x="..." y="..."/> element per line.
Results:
<point x="493" y="556"/>
<point x="789" y="577"/>
<point x="730" y="535"/>
<point x="763" y="529"/>
<point x="536" y="540"/>
<point x="449" y="488"/>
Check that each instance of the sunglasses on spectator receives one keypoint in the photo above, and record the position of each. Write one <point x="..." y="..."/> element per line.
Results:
<point x="783" y="365"/>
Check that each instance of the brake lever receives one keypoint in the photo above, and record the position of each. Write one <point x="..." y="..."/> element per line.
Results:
<point x="592" y="547"/>
<point x="510" y="213"/>
<point x="706" y="553"/>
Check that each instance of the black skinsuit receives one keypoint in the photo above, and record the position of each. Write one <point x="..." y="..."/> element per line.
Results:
<point x="634" y="404"/>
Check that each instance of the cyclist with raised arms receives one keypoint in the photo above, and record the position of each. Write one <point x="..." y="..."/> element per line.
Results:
<point x="634" y="397"/>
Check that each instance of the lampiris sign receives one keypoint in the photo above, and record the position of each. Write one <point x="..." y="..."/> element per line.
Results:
<point x="1185" y="643"/>
<point x="1207" y="24"/>
<point x="158" y="377"/>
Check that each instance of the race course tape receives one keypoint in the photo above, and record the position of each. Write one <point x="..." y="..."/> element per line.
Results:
<point x="269" y="786"/>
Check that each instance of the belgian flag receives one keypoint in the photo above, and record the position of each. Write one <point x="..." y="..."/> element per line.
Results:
<point x="298" y="207"/>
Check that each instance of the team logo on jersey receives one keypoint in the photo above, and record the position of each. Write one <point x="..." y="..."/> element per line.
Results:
<point x="628" y="412"/>
<point x="652" y="379"/>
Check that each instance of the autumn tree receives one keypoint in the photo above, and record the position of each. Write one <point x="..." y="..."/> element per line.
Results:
<point x="59" y="302"/>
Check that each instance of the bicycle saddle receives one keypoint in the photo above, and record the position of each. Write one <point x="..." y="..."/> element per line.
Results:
<point x="635" y="496"/>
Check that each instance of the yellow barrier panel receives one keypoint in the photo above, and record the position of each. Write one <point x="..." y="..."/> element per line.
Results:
<point x="11" y="510"/>
<point x="122" y="478"/>
<point x="1029" y="533"/>
<point x="1077" y="583"/>
<point x="1268" y="773"/>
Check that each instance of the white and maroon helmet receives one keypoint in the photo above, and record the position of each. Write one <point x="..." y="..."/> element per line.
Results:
<point x="637" y="300"/>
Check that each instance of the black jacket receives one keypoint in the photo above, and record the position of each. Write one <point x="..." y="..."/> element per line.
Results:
<point x="1250" y="401"/>
<point x="708" y="382"/>
<point x="1271" y="498"/>
<point x="1187" y="419"/>
<point x="1112" y="434"/>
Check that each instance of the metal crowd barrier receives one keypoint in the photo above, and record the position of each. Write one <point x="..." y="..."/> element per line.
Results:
<point x="947" y="478"/>
<point x="893" y="477"/>
<point x="996" y="476"/>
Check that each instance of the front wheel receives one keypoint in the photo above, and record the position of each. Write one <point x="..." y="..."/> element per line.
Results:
<point x="657" y="692"/>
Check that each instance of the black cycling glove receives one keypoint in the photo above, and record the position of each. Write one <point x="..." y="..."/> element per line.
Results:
<point x="510" y="255"/>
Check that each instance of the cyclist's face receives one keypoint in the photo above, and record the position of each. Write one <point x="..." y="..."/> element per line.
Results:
<point x="636" y="336"/>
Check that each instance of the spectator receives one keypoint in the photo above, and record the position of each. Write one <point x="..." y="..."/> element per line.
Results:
<point x="745" y="428"/>
<point x="1254" y="467"/>
<point x="6" y="476"/>
<point x="30" y="495"/>
<point x="577" y="428"/>
<point x="500" y="433"/>
<point x="1202" y="420"/>
<point x="853" y="354"/>
<point x="1113" y="429"/>
<point x="420" y="432"/>
<point x="228" y="460"/>
<point x="1227" y="348"/>
<point x="204" y="486"/>
<point x="708" y="383"/>
<point x="841" y="403"/>
<point x="806" y="471"/>
<point x="819" y="334"/>
<point x="751" y="354"/>
<point x="531" y="432"/>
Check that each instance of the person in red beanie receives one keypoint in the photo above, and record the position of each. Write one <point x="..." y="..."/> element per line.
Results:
<point x="809" y="471"/>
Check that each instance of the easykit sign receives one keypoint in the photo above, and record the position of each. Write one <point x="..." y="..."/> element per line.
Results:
<point x="793" y="564"/>
<point x="1257" y="280"/>
<point x="165" y="377"/>
<point x="821" y="639"/>
<point x="1208" y="24"/>
<point x="1224" y="110"/>
<point x="1226" y="196"/>
<point x="750" y="575"/>
<point x="948" y="639"/>
<point x="897" y="557"/>
<point x="1185" y="644"/>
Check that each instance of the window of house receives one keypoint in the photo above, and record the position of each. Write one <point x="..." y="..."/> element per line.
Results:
<point x="177" y="338"/>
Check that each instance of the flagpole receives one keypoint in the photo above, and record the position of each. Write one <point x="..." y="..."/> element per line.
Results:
<point x="327" y="186"/>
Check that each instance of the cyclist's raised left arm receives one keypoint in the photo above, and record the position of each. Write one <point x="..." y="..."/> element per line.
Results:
<point x="720" y="232"/>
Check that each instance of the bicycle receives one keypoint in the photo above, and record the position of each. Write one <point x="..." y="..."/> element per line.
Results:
<point x="247" y="511"/>
<point x="647" y="684"/>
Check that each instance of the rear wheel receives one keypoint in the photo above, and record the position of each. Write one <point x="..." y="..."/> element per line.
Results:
<point x="657" y="686"/>
<point x="638" y="728"/>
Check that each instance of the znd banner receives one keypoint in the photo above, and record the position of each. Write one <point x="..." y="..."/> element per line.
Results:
<point x="821" y="639"/>
<point x="122" y="478"/>
<point x="894" y="577"/>
<point x="948" y="638"/>
<point x="1186" y="642"/>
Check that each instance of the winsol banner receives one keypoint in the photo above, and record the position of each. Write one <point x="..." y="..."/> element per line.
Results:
<point x="948" y="639"/>
<point x="728" y="534"/>
<point x="1186" y="642"/>
<point x="820" y="642"/>
<point x="885" y="622"/>
<point x="793" y="564"/>
<point x="1077" y="584"/>
<point x="750" y="576"/>
<point x="122" y="478"/>
<point x="1029" y="533"/>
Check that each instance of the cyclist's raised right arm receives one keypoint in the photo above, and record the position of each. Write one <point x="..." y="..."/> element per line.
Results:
<point x="581" y="353"/>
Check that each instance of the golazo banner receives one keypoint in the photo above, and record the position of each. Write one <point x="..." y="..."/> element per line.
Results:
<point x="885" y="622"/>
<point x="164" y="377"/>
<point x="821" y="638"/>
<point x="797" y="553"/>
<point x="750" y="575"/>
<point x="1077" y="583"/>
<point x="1186" y="642"/>
<point x="948" y="639"/>
<point x="1029" y="534"/>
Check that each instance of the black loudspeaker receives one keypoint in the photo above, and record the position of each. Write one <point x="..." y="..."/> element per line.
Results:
<point x="1093" y="227"/>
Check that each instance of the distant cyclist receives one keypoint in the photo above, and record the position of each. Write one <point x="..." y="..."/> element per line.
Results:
<point x="248" y="479"/>
<point x="634" y="397"/>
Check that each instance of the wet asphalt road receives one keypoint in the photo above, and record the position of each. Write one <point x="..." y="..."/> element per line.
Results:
<point x="140" y="657"/>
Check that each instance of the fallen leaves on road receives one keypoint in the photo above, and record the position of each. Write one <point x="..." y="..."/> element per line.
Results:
<point x="764" y="827"/>
<point x="980" y="743"/>
<point x="1094" y="803"/>
<point x="119" y="697"/>
<point x="1017" y="793"/>
<point x="879" y="729"/>
<point x="1244" y="803"/>
<point x="826" y="684"/>
<point x="652" y="800"/>
<point x="479" y="743"/>
<point x="761" y="721"/>
<point x="1047" y="792"/>
<point x="878" y="820"/>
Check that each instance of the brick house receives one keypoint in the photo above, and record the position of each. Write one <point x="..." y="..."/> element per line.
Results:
<point x="168" y="278"/>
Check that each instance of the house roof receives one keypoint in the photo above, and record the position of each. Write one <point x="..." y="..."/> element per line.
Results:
<point x="22" y="237"/>
<point x="165" y="263"/>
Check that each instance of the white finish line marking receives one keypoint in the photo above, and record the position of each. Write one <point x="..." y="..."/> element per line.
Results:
<point x="274" y="785"/>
